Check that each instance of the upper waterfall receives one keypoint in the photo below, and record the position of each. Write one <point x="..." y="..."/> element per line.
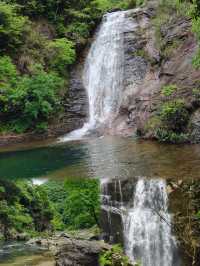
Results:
<point x="103" y="74"/>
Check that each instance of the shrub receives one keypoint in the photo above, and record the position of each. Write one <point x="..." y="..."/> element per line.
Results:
<point x="174" y="115"/>
<point x="169" y="124"/>
<point x="114" y="257"/>
<point x="168" y="90"/>
<point x="31" y="102"/>
<point x="164" y="135"/>
<point x="61" y="54"/>
<point x="78" y="31"/>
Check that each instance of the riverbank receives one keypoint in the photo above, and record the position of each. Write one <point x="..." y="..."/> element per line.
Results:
<point x="64" y="249"/>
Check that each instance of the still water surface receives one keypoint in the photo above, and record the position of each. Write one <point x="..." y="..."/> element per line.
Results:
<point x="105" y="157"/>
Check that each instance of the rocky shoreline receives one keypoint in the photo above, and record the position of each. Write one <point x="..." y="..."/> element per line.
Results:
<point x="70" y="250"/>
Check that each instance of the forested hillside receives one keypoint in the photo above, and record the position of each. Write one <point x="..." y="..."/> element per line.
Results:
<point x="39" y="42"/>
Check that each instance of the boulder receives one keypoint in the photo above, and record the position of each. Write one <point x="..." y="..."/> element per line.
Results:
<point x="75" y="252"/>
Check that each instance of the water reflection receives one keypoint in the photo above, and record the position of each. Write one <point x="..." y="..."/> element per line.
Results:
<point x="107" y="157"/>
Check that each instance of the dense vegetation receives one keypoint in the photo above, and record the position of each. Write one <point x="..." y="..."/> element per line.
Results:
<point x="40" y="40"/>
<point x="30" y="209"/>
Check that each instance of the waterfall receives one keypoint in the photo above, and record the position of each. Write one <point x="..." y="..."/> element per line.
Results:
<point x="103" y="74"/>
<point x="145" y="220"/>
<point x="147" y="226"/>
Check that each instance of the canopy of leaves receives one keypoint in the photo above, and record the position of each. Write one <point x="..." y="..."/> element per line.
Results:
<point x="28" y="100"/>
<point x="61" y="54"/>
<point x="12" y="27"/>
<point x="77" y="202"/>
<point x="25" y="207"/>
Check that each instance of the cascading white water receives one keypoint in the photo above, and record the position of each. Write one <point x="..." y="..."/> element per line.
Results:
<point x="147" y="226"/>
<point x="103" y="74"/>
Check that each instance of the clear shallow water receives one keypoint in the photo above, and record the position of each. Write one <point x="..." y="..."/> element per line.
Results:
<point x="19" y="254"/>
<point x="105" y="157"/>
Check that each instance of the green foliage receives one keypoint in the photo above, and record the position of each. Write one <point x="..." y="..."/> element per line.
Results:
<point x="76" y="203"/>
<point x="165" y="135"/>
<point x="83" y="203"/>
<point x="174" y="115"/>
<point x="170" y="123"/>
<point x="61" y="54"/>
<point x="196" y="93"/>
<point x="23" y="208"/>
<point x="195" y="27"/>
<point x="168" y="90"/>
<point x="198" y="215"/>
<point x="114" y="257"/>
<point x="8" y="72"/>
<point x="12" y="27"/>
<point x="196" y="30"/>
<point x="39" y="95"/>
<point x="27" y="102"/>
<point x="108" y="5"/>
<point x="196" y="60"/>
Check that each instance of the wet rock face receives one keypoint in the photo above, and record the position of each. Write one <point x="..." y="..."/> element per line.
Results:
<point x="117" y="195"/>
<point x="75" y="104"/>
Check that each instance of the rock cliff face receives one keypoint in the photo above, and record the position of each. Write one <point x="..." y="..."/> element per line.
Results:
<point x="75" y="105"/>
<point x="147" y="71"/>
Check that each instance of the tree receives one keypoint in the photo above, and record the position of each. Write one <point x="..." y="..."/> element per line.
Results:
<point x="12" y="27"/>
